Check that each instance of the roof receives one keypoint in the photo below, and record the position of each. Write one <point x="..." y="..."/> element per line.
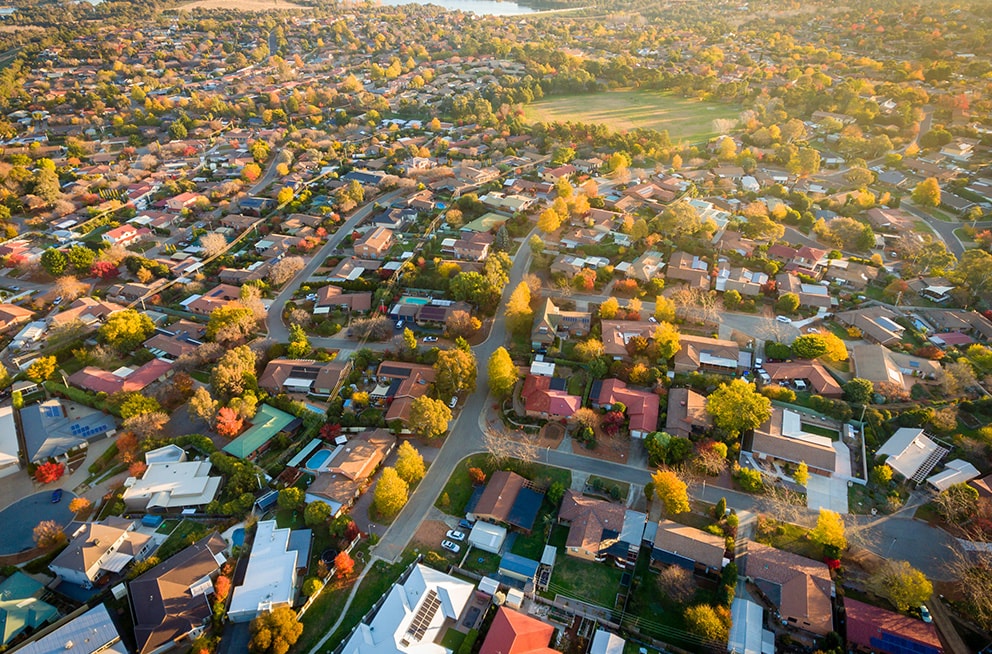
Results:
<point x="90" y="632"/>
<point x="747" y="630"/>
<point x="169" y="600"/>
<point x="92" y="541"/>
<point x="509" y="498"/>
<point x="20" y="607"/>
<point x="799" y="587"/>
<point x="642" y="406"/>
<point x="54" y="427"/>
<point x="783" y="437"/>
<point x="171" y="485"/>
<point x="957" y="471"/>
<point x="8" y="438"/>
<point x="519" y="565"/>
<point x="907" y="451"/>
<point x="351" y="464"/>
<point x="268" y="422"/>
<point x="814" y="372"/>
<point x="886" y="631"/>
<point x="700" y="350"/>
<point x="874" y="363"/>
<point x="690" y="543"/>
<point x="547" y="395"/>
<point x="515" y="633"/>
<point x="303" y="372"/>
<point x="604" y="642"/>
<point x="122" y="380"/>
<point x="590" y="518"/>
<point x="686" y="409"/>
<point x="270" y="577"/>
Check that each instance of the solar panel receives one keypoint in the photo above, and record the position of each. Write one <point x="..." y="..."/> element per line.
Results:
<point x="420" y="623"/>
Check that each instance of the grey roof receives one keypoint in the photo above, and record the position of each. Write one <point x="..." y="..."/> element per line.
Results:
<point x="90" y="632"/>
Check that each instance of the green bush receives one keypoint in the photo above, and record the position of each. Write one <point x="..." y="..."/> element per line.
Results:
<point x="469" y="642"/>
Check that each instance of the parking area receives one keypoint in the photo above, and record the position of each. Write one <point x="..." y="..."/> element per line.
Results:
<point x="20" y="518"/>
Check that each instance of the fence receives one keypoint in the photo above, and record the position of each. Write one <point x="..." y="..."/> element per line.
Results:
<point x="325" y="580"/>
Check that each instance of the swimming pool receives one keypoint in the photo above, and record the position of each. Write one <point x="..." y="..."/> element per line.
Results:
<point x="317" y="461"/>
<point x="406" y="299"/>
<point x="238" y="537"/>
<point x="319" y="410"/>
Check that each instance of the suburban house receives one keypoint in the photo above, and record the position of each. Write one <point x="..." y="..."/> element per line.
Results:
<point x="548" y="398"/>
<point x="782" y="438"/>
<point x="746" y="282"/>
<point x="412" y="615"/>
<point x="349" y="467"/>
<point x="690" y="269"/>
<point x="12" y="316"/>
<point x="646" y="267"/>
<point x="399" y="384"/>
<point x="687" y="547"/>
<point x="616" y="334"/>
<point x="93" y="631"/>
<point x="54" y="427"/>
<point x="267" y="423"/>
<point x="86" y="310"/>
<point x="687" y="413"/>
<point x="375" y="243"/>
<point x="935" y="289"/>
<point x="807" y="260"/>
<point x="323" y="378"/>
<point x="813" y="375"/>
<point x="170" y="603"/>
<point x="219" y="296"/>
<point x="171" y="482"/>
<point x="800" y="588"/>
<point x="10" y="460"/>
<point x="971" y="323"/>
<point x="510" y="499"/>
<point x="880" y="365"/>
<point x="471" y="246"/>
<point x="550" y="322"/>
<point x="598" y="528"/>
<point x="851" y="274"/>
<point x="126" y="235"/>
<point x="956" y="471"/>
<point x="122" y="380"/>
<point x="512" y="632"/>
<point x="877" y="324"/>
<point x="99" y="548"/>
<point x="183" y="200"/>
<point x="270" y="577"/>
<point x="709" y="355"/>
<point x="332" y="297"/>
<point x="810" y="295"/>
<point x="870" y="628"/>
<point x="912" y="453"/>
<point x="169" y="347"/>
<point x="436" y="312"/>
<point x="21" y="607"/>
<point x="642" y="406"/>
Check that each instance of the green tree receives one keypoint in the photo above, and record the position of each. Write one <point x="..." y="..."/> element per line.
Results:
<point x="974" y="271"/>
<point x="230" y="323"/>
<point x="859" y="391"/>
<point x="679" y="219"/>
<point x="42" y="369"/>
<point x="234" y="372"/>
<point x="927" y="193"/>
<point x="316" y="513"/>
<point x="901" y="584"/>
<point x="809" y="346"/>
<point x="738" y="407"/>
<point x="54" y="261"/>
<point x="503" y="373"/>
<point x="787" y="303"/>
<point x="291" y="498"/>
<point x="126" y="330"/>
<point x="409" y="463"/>
<point x="711" y="623"/>
<point x="429" y="417"/>
<point x="390" y="495"/>
<point x="829" y="531"/>
<point x="589" y="349"/>
<point x="81" y="258"/>
<point x="519" y="316"/>
<point x="609" y="308"/>
<point x="801" y="475"/>
<point x="136" y="404"/>
<point x="299" y="343"/>
<point x="455" y="372"/>
<point x="666" y="337"/>
<point x="47" y="186"/>
<point x="274" y="632"/>
<point x="671" y="490"/>
<point x="312" y="586"/>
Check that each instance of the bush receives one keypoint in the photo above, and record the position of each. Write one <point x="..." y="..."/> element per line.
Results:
<point x="749" y="480"/>
<point x="780" y="393"/>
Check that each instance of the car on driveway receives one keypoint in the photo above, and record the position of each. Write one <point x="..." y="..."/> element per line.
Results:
<point x="430" y="339"/>
<point x="784" y="319"/>
<point x="453" y="401"/>
<point x="465" y="524"/>
<point x="925" y="614"/>
<point x="56" y="496"/>
<point x="451" y="547"/>
<point x="455" y="535"/>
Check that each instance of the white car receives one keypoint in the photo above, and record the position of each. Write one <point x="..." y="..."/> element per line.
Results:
<point x="925" y="614"/>
<point x="455" y="535"/>
<point x="453" y="401"/>
<point x="451" y="547"/>
<point x="786" y="319"/>
<point x="430" y="339"/>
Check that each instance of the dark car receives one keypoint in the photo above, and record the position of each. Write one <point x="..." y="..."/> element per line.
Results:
<point x="465" y="524"/>
<point x="56" y="496"/>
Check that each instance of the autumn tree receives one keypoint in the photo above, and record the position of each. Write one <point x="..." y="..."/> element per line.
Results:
<point x="477" y="476"/>
<point x="664" y="309"/>
<point x="679" y="219"/>
<point x="957" y="503"/>
<point x="344" y="565"/>
<point x="213" y="243"/>
<point x="409" y="463"/>
<point x="291" y="498"/>
<point x="48" y="472"/>
<point x="666" y="338"/>
<point x="549" y="221"/>
<point x="801" y="475"/>
<point x="274" y="632"/>
<point x="589" y="349"/>
<point x="48" y="533"/>
<point x="787" y="303"/>
<point x="136" y="404"/>
<point x="80" y="505"/>
<point x="230" y="323"/>
<point x="222" y="588"/>
<point x="462" y="323"/>
<point x="519" y="316"/>
<point x="42" y="369"/>
<point x="900" y="583"/>
<point x="429" y="417"/>
<point x="676" y="583"/>
<point x="503" y="373"/>
<point x="203" y="405"/>
<point x="672" y="491"/>
<point x="390" y="494"/>
<point x="299" y="343"/>
<point x="284" y="270"/>
<point x="234" y="372"/>
<point x="927" y="193"/>
<point x="737" y="407"/>
<point x="609" y="308"/>
<point x="455" y="372"/>
<point x="147" y="425"/>
<point x="708" y="622"/>
<point x="829" y="531"/>
<point x="228" y="423"/>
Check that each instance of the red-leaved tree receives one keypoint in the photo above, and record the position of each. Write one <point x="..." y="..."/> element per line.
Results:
<point x="477" y="476"/>
<point x="222" y="587"/>
<point x="104" y="270"/>
<point x="49" y="472"/>
<point x="344" y="564"/>
<point x="330" y="431"/>
<point x="228" y="422"/>
<point x="137" y="469"/>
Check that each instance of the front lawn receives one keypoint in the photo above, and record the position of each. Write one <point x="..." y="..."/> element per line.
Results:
<point x="482" y="562"/>
<point x="459" y="488"/>
<point x="595" y="583"/>
<point x="789" y="537"/>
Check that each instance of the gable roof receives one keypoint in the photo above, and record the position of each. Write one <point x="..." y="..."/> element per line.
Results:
<point x="813" y="371"/>
<point x="589" y="518"/>
<point x="690" y="543"/>
<point x="642" y="406"/>
<point x="686" y="409"/>
<point x="19" y="607"/>
<point x="515" y="633"/>
<point x="799" y="587"/>
<point x="509" y="498"/>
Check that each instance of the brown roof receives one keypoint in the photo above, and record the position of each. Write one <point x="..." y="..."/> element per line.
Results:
<point x="686" y="409"/>
<point x="700" y="546"/>
<point x="692" y="347"/>
<point x="498" y="497"/>
<point x="326" y="374"/>
<point x="866" y="622"/>
<point x="589" y="517"/>
<point x="800" y="587"/>
<point x="11" y="315"/>
<point x="813" y="371"/>
<point x="768" y="439"/>
<point x="94" y="539"/>
<point x="353" y="465"/>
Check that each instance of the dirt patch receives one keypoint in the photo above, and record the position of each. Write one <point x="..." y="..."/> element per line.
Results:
<point x="610" y="448"/>
<point x="430" y="534"/>
<point x="551" y="435"/>
<point x="242" y="5"/>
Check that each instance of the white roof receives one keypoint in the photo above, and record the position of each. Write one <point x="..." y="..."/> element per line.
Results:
<point x="8" y="437"/>
<point x="907" y="450"/>
<point x="270" y="579"/>
<point x="605" y="642"/>
<point x="487" y="536"/>
<point x="91" y="632"/>
<point x="168" y="485"/>
<point x="542" y="369"/>
<point x="957" y="471"/>
<point x="166" y="454"/>
<point x="746" y="632"/>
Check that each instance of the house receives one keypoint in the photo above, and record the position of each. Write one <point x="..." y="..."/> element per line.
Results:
<point x="12" y="316"/>
<point x="782" y="438"/>
<point x="551" y="322"/>
<point x="642" y="406"/>
<point x="552" y="175"/>
<point x="877" y="324"/>
<point x="548" y="398"/>
<point x="436" y="312"/>
<point x="217" y="297"/>
<point x="687" y="413"/>
<point x="746" y="282"/>
<point x="890" y="220"/>
<point x="800" y="588"/>
<point x="274" y="246"/>
<point x="512" y="632"/>
<point x="267" y="423"/>
<point x="518" y="570"/>
<point x="375" y="243"/>
<point x="870" y="628"/>
<point x="91" y="632"/>
<point x="122" y="380"/>
<point x="605" y="642"/>
<point x="646" y="267"/>
<point x="270" y="577"/>
<point x="687" y="547"/>
<point x="689" y="268"/>
<point x="349" y="467"/>
<point x="850" y="274"/>
<point x="171" y="483"/>
<point x="170" y="603"/>
<point x="86" y="310"/>
<point x="126" y="235"/>
<point x="54" y="427"/>
<point x="351" y="268"/>
<point x="399" y="384"/>
<point x="323" y="378"/>
<point x="412" y="616"/>
<point x="10" y="461"/>
<point x="807" y="260"/>
<point x="182" y="201"/>
<point x="597" y="528"/>
<point x="98" y="548"/>
<point x="812" y="373"/>
<point x="882" y="366"/>
<point x="912" y="453"/>
<point x="472" y="246"/>
<point x="955" y="472"/>
<point x="169" y="347"/>
<point x="935" y="289"/>
<point x="616" y="334"/>
<point x="964" y="322"/>
<point x="810" y="295"/>
<point x="510" y="499"/>
<point x="708" y="355"/>
<point x="21" y="607"/>
<point x="332" y="297"/>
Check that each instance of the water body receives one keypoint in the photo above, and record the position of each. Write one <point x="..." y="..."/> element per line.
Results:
<point x="478" y="7"/>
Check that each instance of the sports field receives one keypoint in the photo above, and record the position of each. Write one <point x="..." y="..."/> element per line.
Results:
<point x="686" y="120"/>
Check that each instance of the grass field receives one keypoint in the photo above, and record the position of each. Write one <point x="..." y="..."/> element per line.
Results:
<point x="686" y="120"/>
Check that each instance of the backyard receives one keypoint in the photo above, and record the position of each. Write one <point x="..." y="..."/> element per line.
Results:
<point x="686" y="120"/>
<point x="458" y="490"/>
<point x="595" y="583"/>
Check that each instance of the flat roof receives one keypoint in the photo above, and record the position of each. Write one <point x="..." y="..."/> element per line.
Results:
<point x="270" y="578"/>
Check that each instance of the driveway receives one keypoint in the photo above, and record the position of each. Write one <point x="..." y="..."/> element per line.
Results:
<point x="826" y="493"/>
<point x="20" y="518"/>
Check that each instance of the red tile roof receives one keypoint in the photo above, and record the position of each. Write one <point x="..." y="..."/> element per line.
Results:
<point x="865" y="622"/>
<point x="515" y="633"/>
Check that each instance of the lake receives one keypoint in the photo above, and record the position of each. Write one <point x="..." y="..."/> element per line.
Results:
<point x="478" y="7"/>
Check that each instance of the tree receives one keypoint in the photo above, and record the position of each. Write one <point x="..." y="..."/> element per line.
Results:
<point x="251" y="172"/>
<point x="274" y="632"/>
<point x="859" y="391"/>
<point x="69" y="288"/>
<point x="609" y="308"/>
<point x="503" y="373"/>
<point x="679" y="219"/>
<point x="104" y="270"/>
<point x="291" y="498"/>
<point x="285" y="195"/>
<point x="48" y="533"/>
<point x="47" y="186"/>
<point x="676" y="583"/>
<point x="836" y="350"/>
<point x="927" y="193"/>
<point x="409" y="463"/>
<point x="454" y="372"/>
<point x="126" y="330"/>
<point x="390" y="494"/>
<point x="42" y="369"/>
<point x="519" y="316"/>
<point x="666" y="337"/>
<point x="958" y="502"/>
<point x="213" y="244"/>
<point x="54" y="261"/>
<point x="829" y="531"/>
<point x="81" y="258"/>
<point x="230" y="323"/>
<point x="234" y="372"/>
<point x="229" y="423"/>
<point x="284" y="270"/>
<point x="462" y="323"/>
<point x="477" y="476"/>
<point x="664" y="309"/>
<point x="535" y="244"/>
<point x="974" y="271"/>
<point x="80" y="505"/>
<point x="671" y="490"/>
<point x="202" y="405"/>
<point x="549" y="221"/>
<point x="787" y="303"/>
<point x="316" y="513"/>
<point x="711" y="623"/>
<point x="299" y="343"/>
<point x="137" y="469"/>
<point x="738" y="407"/>
<point x="589" y="349"/>
<point x="900" y="583"/>
<point x="136" y="404"/>
<point x="429" y="417"/>
<point x="809" y="346"/>
<point x="222" y="588"/>
<point x="801" y="475"/>
<point x="48" y="472"/>
<point x="344" y="565"/>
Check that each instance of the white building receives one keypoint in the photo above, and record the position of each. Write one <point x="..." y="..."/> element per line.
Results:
<point x="912" y="453"/>
<point x="171" y="485"/>
<point x="98" y="548"/>
<point x="91" y="632"/>
<point x="270" y="579"/>
<point x="605" y="642"/>
<point x="412" y="615"/>
<point x="9" y="461"/>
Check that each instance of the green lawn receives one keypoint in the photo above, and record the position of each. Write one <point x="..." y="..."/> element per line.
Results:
<point x="595" y="583"/>
<point x="832" y="434"/>
<point x="789" y="537"/>
<point x="532" y="545"/>
<point x="452" y="639"/>
<point x="458" y="490"/>
<point x="653" y="613"/>
<point x="185" y="534"/>
<point x="686" y="120"/>
<point x="482" y="562"/>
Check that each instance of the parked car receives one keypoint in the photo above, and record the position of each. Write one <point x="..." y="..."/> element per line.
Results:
<point x="925" y="614"/>
<point x="430" y="339"/>
<point x="57" y="301"/>
<point x="455" y="535"/>
<point x="399" y="324"/>
<point x="453" y="401"/>
<point x="451" y="547"/>
<point x="464" y="524"/>
<point x="56" y="496"/>
<point x="786" y="319"/>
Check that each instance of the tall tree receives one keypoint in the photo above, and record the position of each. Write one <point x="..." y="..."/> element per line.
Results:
<point x="454" y="372"/>
<point x="409" y="463"/>
<point x="126" y="330"/>
<point x="829" y="531"/>
<point x="927" y="193"/>
<point x="671" y="490"/>
<point x="391" y="493"/>
<point x="738" y="407"/>
<point x="503" y="373"/>
<point x="274" y="632"/>
<point x="519" y="316"/>
<point x="901" y="584"/>
<point x="429" y="417"/>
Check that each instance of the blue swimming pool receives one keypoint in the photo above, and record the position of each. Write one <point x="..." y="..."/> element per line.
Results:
<point x="319" y="410"/>
<point x="317" y="461"/>
<point x="238" y="537"/>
